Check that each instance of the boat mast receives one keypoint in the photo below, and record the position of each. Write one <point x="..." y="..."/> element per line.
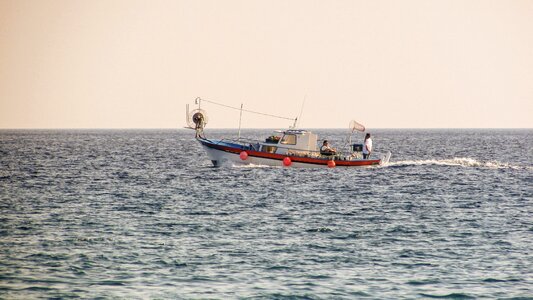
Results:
<point x="301" y="111"/>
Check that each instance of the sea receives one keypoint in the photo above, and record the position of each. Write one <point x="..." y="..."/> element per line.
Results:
<point x="143" y="214"/>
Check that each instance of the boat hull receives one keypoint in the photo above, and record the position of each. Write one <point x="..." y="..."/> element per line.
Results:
<point x="225" y="153"/>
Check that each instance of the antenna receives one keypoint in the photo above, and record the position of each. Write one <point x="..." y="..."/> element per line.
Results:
<point x="240" y="118"/>
<point x="301" y="111"/>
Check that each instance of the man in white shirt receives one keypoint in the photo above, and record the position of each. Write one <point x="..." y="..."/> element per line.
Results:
<point x="326" y="149"/>
<point x="367" y="146"/>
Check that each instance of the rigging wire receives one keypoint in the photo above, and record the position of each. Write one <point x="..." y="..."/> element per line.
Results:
<point x="246" y="110"/>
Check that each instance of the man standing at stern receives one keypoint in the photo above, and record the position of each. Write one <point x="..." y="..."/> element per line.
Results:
<point x="367" y="146"/>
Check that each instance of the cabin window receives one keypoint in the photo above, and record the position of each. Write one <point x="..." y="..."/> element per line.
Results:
<point x="269" y="149"/>
<point x="273" y="139"/>
<point x="288" y="139"/>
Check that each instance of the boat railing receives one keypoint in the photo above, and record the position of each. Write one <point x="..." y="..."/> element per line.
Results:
<point x="245" y="142"/>
<point x="339" y="155"/>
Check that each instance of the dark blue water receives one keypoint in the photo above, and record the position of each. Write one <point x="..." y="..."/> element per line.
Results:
<point x="142" y="214"/>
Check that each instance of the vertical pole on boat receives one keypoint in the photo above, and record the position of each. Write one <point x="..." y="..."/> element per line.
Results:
<point x="240" y="118"/>
<point x="197" y="101"/>
<point x="187" y="114"/>
<point x="301" y="111"/>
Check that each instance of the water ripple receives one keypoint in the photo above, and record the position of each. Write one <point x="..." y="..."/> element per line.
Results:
<point x="141" y="214"/>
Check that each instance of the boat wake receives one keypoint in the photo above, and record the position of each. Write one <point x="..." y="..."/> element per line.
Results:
<point x="457" y="161"/>
<point x="248" y="166"/>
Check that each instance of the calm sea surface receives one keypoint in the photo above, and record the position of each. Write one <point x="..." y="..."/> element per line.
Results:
<point x="142" y="214"/>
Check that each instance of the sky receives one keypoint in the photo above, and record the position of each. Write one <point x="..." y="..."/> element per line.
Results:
<point x="386" y="64"/>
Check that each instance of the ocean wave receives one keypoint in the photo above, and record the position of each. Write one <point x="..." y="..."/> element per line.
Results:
<point x="458" y="161"/>
<point x="449" y="296"/>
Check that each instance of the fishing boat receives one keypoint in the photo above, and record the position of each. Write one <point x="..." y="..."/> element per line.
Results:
<point x="289" y="148"/>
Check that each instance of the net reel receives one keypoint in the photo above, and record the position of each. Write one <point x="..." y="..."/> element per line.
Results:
<point x="197" y="119"/>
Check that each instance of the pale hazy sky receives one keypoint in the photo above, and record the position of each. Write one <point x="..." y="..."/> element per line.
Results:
<point x="388" y="64"/>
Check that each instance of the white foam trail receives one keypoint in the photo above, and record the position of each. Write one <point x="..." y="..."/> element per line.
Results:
<point x="250" y="166"/>
<point x="457" y="161"/>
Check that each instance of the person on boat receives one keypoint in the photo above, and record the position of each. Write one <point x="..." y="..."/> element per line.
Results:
<point x="367" y="147"/>
<point x="326" y="149"/>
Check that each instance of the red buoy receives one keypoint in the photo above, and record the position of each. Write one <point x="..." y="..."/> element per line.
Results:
<point x="331" y="164"/>
<point x="287" y="161"/>
<point x="244" y="155"/>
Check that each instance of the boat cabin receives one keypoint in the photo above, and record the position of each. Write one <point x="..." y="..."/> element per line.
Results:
<point x="290" y="142"/>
